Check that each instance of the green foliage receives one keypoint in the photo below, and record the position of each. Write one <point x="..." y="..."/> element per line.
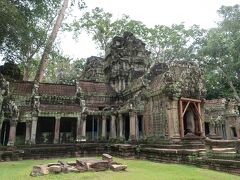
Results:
<point x="221" y="54"/>
<point x="175" y="42"/>
<point x="165" y="43"/>
<point x="11" y="71"/>
<point x="63" y="69"/>
<point x="24" y="26"/>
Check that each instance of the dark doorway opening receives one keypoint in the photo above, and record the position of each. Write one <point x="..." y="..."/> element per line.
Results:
<point x="108" y="126"/>
<point x="45" y="130"/>
<point x="5" y="133"/>
<point x="234" y="132"/>
<point x="140" y="126"/>
<point x="126" y="122"/>
<point x="207" y="130"/>
<point x="20" y="133"/>
<point x="68" y="130"/>
<point x="92" y="126"/>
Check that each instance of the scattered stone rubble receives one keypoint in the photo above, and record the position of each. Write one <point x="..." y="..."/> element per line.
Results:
<point x="81" y="165"/>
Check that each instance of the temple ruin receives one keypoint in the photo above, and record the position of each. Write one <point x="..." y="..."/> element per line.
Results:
<point x="120" y="98"/>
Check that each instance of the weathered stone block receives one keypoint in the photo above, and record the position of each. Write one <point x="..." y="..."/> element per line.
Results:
<point x="39" y="170"/>
<point x="107" y="157"/>
<point x="55" y="169"/>
<point x="118" y="167"/>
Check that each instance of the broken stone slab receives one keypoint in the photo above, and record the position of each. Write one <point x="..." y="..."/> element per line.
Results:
<point x="118" y="167"/>
<point x="64" y="166"/>
<point x="73" y="169"/>
<point x="107" y="157"/>
<point x="55" y="169"/>
<point x="53" y="164"/>
<point x="39" y="170"/>
<point x="96" y="165"/>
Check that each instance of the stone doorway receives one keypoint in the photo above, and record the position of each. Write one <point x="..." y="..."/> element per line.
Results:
<point x="68" y="130"/>
<point x="108" y="126"/>
<point x="45" y="130"/>
<point x="92" y="128"/>
<point x="5" y="133"/>
<point x="20" y="133"/>
<point x="207" y="128"/>
<point x="126" y="125"/>
<point x="190" y="117"/>
<point x="140" y="126"/>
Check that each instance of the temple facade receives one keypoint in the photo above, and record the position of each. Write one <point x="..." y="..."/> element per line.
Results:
<point x="118" y="98"/>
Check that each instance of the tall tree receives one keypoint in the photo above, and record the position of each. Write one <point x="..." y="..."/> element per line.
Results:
<point x="101" y="26"/>
<point x="221" y="50"/>
<point x="175" y="42"/>
<point x="165" y="43"/>
<point x="24" y="28"/>
<point x="49" y="44"/>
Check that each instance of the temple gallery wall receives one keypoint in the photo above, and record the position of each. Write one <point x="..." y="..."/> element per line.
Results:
<point x="118" y="98"/>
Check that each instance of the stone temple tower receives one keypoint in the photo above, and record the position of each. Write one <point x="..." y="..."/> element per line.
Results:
<point x="126" y="59"/>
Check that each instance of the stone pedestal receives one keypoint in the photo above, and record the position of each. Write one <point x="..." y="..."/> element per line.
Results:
<point x="78" y="132"/>
<point x="120" y="118"/>
<point x="34" y="130"/>
<point x="57" y="129"/>
<point x="12" y="133"/>
<point x="104" y="124"/>
<point x="113" y="127"/>
<point x="28" y="133"/>
<point x="133" y="119"/>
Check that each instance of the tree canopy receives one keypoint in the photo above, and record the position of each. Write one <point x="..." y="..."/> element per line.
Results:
<point x="26" y="25"/>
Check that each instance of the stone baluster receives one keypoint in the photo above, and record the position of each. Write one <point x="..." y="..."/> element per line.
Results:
<point x="133" y="118"/>
<point x="78" y="136"/>
<point x="113" y="126"/>
<point x="104" y="124"/>
<point x="83" y="130"/>
<point x="120" y="117"/>
<point x="12" y="133"/>
<point x="57" y="130"/>
<point x="34" y="130"/>
<point x="28" y="132"/>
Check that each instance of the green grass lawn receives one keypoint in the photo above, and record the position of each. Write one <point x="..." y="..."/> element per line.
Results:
<point x="137" y="170"/>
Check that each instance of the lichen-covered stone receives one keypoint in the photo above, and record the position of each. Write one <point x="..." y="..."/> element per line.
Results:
<point x="39" y="170"/>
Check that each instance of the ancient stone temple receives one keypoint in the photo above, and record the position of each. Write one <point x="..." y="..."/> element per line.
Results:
<point x="222" y="119"/>
<point x="117" y="98"/>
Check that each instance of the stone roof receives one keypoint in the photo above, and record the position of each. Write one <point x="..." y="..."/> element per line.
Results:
<point x="21" y="88"/>
<point x="59" y="108"/>
<point x="57" y="89"/>
<point x="96" y="87"/>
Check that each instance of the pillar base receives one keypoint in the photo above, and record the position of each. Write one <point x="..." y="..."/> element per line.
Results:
<point x="10" y="143"/>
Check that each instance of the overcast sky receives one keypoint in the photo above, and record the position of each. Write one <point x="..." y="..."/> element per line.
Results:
<point x="150" y="12"/>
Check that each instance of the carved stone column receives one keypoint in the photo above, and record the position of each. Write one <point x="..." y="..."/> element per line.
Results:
<point x="34" y="130"/>
<point x="57" y="129"/>
<point x="12" y="133"/>
<point x="113" y="127"/>
<point x="104" y="124"/>
<point x="133" y="118"/>
<point x="120" y="118"/>
<point x="28" y="132"/>
<point x="83" y="130"/>
<point x="78" y="129"/>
